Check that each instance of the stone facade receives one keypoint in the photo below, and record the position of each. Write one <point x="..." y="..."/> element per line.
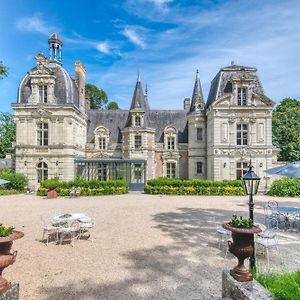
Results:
<point x="213" y="140"/>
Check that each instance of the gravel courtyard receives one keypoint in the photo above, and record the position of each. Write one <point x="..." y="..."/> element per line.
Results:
<point x="145" y="247"/>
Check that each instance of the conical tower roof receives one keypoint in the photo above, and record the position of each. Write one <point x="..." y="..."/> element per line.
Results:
<point x="138" y="99"/>
<point x="197" y="98"/>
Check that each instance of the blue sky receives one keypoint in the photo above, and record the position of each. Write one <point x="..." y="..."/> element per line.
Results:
<point x="166" y="40"/>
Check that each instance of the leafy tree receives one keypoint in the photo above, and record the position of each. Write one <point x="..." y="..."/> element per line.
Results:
<point x="3" y="70"/>
<point x="98" y="97"/>
<point x="7" y="133"/>
<point x="112" y="105"/>
<point x="286" y="129"/>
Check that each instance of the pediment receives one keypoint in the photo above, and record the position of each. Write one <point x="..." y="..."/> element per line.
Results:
<point x="222" y="101"/>
<point x="41" y="112"/>
<point x="264" y="100"/>
<point x="41" y="69"/>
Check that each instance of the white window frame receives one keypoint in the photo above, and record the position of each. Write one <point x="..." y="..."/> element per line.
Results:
<point x="42" y="134"/>
<point x="138" y="142"/>
<point x="242" y="134"/>
<point x="43" y="94"/>
<point x="42" y="171"/>
<point x="171" y="169"/>
<point x="241" y="169"/>
<point x="102" y="143"/>
<point x="242" y="95"/>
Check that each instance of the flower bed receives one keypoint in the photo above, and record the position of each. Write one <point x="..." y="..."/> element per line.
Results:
<point x="87" y="188"/>
<point x="169" y="186"/>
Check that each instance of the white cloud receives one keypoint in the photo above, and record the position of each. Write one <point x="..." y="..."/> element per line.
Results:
<point x="35" y="24"/>
<point x="103" y="47"/>
<point x="134" y="37"/>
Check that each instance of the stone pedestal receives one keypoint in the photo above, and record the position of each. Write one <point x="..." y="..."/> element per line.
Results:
<point x="12" y="293"/>
<point x="250" y="290"/>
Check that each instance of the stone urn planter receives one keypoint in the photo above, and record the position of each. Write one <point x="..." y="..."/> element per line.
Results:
<point x="7" y="258"/>
<point x="242" y="248"/>
<point x="52" y="192"/>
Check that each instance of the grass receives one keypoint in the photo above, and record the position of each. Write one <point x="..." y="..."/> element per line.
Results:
<point x="284" y="286"/>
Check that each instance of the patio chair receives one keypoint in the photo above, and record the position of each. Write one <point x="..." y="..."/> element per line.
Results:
<point x="49" y="231"/>
<point x="273" y="205"/>
<point x="70" y="230"/>
<point x="87" y="227"/>
<point x="223" y="236"/>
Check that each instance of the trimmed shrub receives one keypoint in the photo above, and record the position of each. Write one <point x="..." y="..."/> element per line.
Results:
<point x="16" y="181"/>
<point x="87" y="187"/>
<point x="284" y="286"/>
<point x="175" y="186"/>
<point x="9" y="192"/>
<point x="287" y="187"/>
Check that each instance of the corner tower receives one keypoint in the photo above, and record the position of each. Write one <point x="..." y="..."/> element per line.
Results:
<point x="197" y="133"/>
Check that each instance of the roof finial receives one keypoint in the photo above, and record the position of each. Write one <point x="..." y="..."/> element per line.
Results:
<point x="232" y="62"/>
<point x="138" y="77"/>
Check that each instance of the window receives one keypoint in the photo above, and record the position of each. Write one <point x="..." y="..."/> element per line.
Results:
<point x="170" y="142"/>
<point x="42" y="171"/>
<point x="242" y="134"/>
<point x="102" y="172"/>
<point x="199" y="134"/>
<point x="242" y="96"/>
<point x="102" y="143"/>
<point x="42" y="134"/>
<point x="199" y="167"/>
<point x="137" y="141"/>
<point x="171" y="170"/>
<point x="137" y="121"/>
<point x="43" y="93"/>
<point x="138" y="172"/>
<point x="241" y="169"/>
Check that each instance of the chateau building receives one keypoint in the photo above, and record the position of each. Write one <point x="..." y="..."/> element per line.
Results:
<point x="58" y="135"/>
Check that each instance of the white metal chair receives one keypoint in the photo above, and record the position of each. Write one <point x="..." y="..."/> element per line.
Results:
<point x="71" y="230"/>
<point x="49" y="231"/>
<point x="87" y="227"/>
<point x="223" y="236"/>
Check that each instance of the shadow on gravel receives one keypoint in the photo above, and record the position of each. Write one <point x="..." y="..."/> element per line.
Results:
<point x="189" y="268"/>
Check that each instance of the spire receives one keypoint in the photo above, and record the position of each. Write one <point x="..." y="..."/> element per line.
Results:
<point x="138" y="99"/>
<point x="55" y="45"/>
<point x="197" y="98"/>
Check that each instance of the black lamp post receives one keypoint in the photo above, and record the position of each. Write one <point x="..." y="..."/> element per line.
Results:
<point x="251" y="183"/>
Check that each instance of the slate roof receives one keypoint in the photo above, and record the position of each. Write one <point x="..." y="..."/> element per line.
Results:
<point x="65" y="88"/>
<point x="219" y="85"/>
<point x="197" y="97"/>
<point x="115" y="122"/>
<point x="138" y="99"/>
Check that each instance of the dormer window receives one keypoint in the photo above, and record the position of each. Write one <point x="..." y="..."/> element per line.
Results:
<point x="102" y="143"/>
<point x="43" y="93"/>
<point x="170" y="138"/>
<point x="242" y="96"/>
<point x="101" y="138"/>
<point x="137" y="121"/>
<point x="170" y="142"/>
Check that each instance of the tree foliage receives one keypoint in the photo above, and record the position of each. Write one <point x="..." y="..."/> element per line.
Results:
<point x="98" y="97"/>
<point x="7" y="133"/>
<point x="286" y="129"/>
<point x="3" y="70"/>
<point x="112" y="105"/>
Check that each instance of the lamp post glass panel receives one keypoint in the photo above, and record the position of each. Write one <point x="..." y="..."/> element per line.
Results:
<point x="251" y="183"/>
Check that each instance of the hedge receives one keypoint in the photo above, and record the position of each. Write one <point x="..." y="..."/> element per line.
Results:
<point x="4" y="192"/>
<point x="87" y="187"/>
<point x="287" y="187"/>
<point x="177" y="186"/>
<point x="16" y="181"/>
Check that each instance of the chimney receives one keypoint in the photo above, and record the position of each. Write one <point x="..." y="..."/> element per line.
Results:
<point x="187" y="104"/>
<point x="80" y="81"/>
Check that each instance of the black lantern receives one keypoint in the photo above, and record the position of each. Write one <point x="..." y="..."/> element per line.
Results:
<point x="251" y="183"/>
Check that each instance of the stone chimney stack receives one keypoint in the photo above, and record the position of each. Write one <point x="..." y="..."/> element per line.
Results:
<point x="186" y="104"/>
<point x="80" y="81"/>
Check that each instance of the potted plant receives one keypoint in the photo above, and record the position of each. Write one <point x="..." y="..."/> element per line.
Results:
<point x="241" y="246"/>
<point x="52" y="193"/>
<point x="7" y="236"/>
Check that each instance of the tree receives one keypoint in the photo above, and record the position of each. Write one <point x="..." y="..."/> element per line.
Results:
<point x="112" y="105"/>
<point x="98" y="97"/>
<point x="3" y="70"/>
<point x="286" y="129"/>
<point x="7" y="133"/>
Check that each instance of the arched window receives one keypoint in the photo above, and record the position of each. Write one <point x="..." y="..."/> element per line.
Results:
<point x="42" y="171"/>
<point x="170" y="138"/>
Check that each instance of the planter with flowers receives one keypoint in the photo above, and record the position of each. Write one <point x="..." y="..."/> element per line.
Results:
<point x="242" y="231"/>
<point x="7" y="236"/>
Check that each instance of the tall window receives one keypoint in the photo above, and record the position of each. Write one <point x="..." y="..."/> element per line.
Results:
<point x="43" y="97"/>
<point x="200" y="134"/>
<point x="42" y="134"/>
<point x="102" y="171"/>
<point x="242" y="134"/>
<point x="241" y="169"/>
<point x="199" y="167"/>
<point x="137" y="121"/>
<point x="138" y="172"/>
<point x="171" y="170"/>
<point x="102" y="143"/>
<point x="170" y="142"/>
<point x="242" y="96"/>
<point x="42" y="171"/>
<point x="137" y="141"/>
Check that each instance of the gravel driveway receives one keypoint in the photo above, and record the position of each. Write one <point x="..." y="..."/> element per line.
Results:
<point x="145" y="247"/>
